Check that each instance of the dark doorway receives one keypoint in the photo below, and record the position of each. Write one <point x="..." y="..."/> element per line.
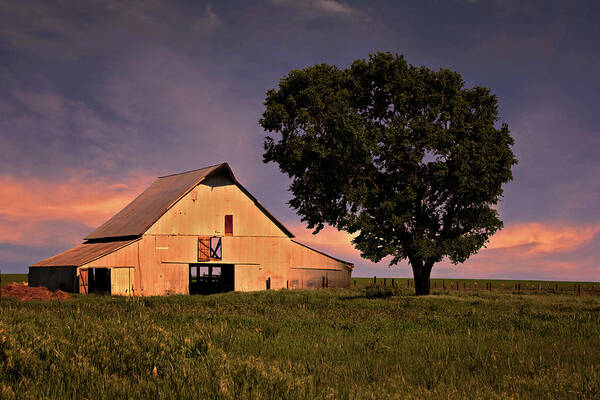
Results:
<point x="94" y="280"/>
<point x="211" y="278"/>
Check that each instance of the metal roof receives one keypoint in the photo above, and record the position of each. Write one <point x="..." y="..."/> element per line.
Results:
<point x="148" y="207"/>
<point x="83" y="254"/>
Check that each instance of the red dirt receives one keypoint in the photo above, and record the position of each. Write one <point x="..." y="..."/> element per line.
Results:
<point x="23" y="292"/>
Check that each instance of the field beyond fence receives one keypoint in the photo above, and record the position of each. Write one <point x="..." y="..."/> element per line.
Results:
<point x="321" y="344"/>
<point x="489" y="285"/>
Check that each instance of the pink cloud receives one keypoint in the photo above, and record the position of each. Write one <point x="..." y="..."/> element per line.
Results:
<point x="34" y="211"/>
<point x="520" y="251"/>
<point x="543" y="238"/>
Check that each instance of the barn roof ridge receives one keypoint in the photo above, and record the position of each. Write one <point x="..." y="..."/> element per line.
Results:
<point x="193" y="170"/>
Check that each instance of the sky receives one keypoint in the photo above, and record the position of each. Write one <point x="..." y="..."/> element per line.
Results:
<point x="99" y="97"/>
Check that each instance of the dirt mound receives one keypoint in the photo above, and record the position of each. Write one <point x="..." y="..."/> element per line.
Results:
<point x="23" y="292"/>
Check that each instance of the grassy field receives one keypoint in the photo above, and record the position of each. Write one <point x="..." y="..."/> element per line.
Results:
<point x="348" y="344"/>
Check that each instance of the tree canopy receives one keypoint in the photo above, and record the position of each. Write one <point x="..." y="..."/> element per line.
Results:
<point x="405" y="157"/>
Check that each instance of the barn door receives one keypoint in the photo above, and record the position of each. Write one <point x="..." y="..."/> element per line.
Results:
<point x="121" y="281"/>
<point x="83" y="281"/>
<point x="203" y="249"/>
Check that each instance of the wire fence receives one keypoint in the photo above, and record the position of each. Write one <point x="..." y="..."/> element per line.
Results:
<point x="485" y="285"/>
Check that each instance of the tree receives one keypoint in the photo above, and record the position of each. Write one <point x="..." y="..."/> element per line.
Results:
<point x="405" y="157"/>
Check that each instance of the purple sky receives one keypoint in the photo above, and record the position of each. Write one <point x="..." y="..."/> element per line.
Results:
<point x="97" y="98"/>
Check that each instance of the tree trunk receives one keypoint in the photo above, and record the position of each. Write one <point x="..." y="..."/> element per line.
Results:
<point x="421" y="272"/>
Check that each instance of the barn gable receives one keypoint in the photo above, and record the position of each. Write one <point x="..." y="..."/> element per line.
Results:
<point x="203" y="210"/>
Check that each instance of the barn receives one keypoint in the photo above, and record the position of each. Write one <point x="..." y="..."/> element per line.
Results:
<point x="195" y="232"/>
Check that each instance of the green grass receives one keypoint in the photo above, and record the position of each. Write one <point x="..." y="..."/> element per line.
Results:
<point x="303" y="345"/>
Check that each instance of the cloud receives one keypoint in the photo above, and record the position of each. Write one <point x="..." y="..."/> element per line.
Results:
<point x="39" y="212"/>
<point x="526" y="238"/>
<point x="538" y="238"/>
<point x="209" y="21"/>
<point x="527" y="250"/>
<point x="320" y="7"/>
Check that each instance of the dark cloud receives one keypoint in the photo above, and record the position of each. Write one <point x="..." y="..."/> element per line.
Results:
<point x="108" y="86"/>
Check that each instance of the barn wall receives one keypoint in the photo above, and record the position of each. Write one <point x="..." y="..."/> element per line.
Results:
<point x="153" y="278"/>
<point x="287" y="263"/>
<point x="124" y="257"/>
<point x="256" y="259"/>
<point x="176" y="278"/>
<point x="202" y="212"/>
<point x="165" y="259"/>
<point x="54" y="278"/>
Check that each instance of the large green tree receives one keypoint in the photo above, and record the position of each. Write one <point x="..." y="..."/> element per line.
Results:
<point x="405" y="157"/>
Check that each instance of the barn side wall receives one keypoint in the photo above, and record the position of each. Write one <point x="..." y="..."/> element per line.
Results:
<point x="151" y="277"/>
<point x="256" y="259"/>
<point x="54" y="278"/>
<point x="161" y="264"/>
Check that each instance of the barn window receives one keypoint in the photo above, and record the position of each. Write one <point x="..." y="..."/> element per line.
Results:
<point x="229" y="225"/>
<point x="215" y="248"/>
<point x="209" y="248"/>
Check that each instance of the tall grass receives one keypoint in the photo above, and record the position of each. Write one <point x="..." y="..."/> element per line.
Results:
<point x="302" y="345"/>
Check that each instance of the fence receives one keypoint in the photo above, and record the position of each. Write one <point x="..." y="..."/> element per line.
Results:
<point x="481" y="285"/>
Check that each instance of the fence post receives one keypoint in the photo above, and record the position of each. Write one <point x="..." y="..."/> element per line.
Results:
<point x="355" y="283"/>
<point x="457" y="288"/>
<point x="578" y="290"/>
<point x="384" y="282"/>
<point x="374" y="280"/>
<point x="393" y="284"/>
<point x="444" y="284"/>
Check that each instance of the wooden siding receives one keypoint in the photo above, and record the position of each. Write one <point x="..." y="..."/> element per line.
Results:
<point x="287" y="263"/>
<point x="216" y="197"/>
<point x="165" y="260"/>
<point x="121" y="281"/>
<point x="63" y="278"/>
